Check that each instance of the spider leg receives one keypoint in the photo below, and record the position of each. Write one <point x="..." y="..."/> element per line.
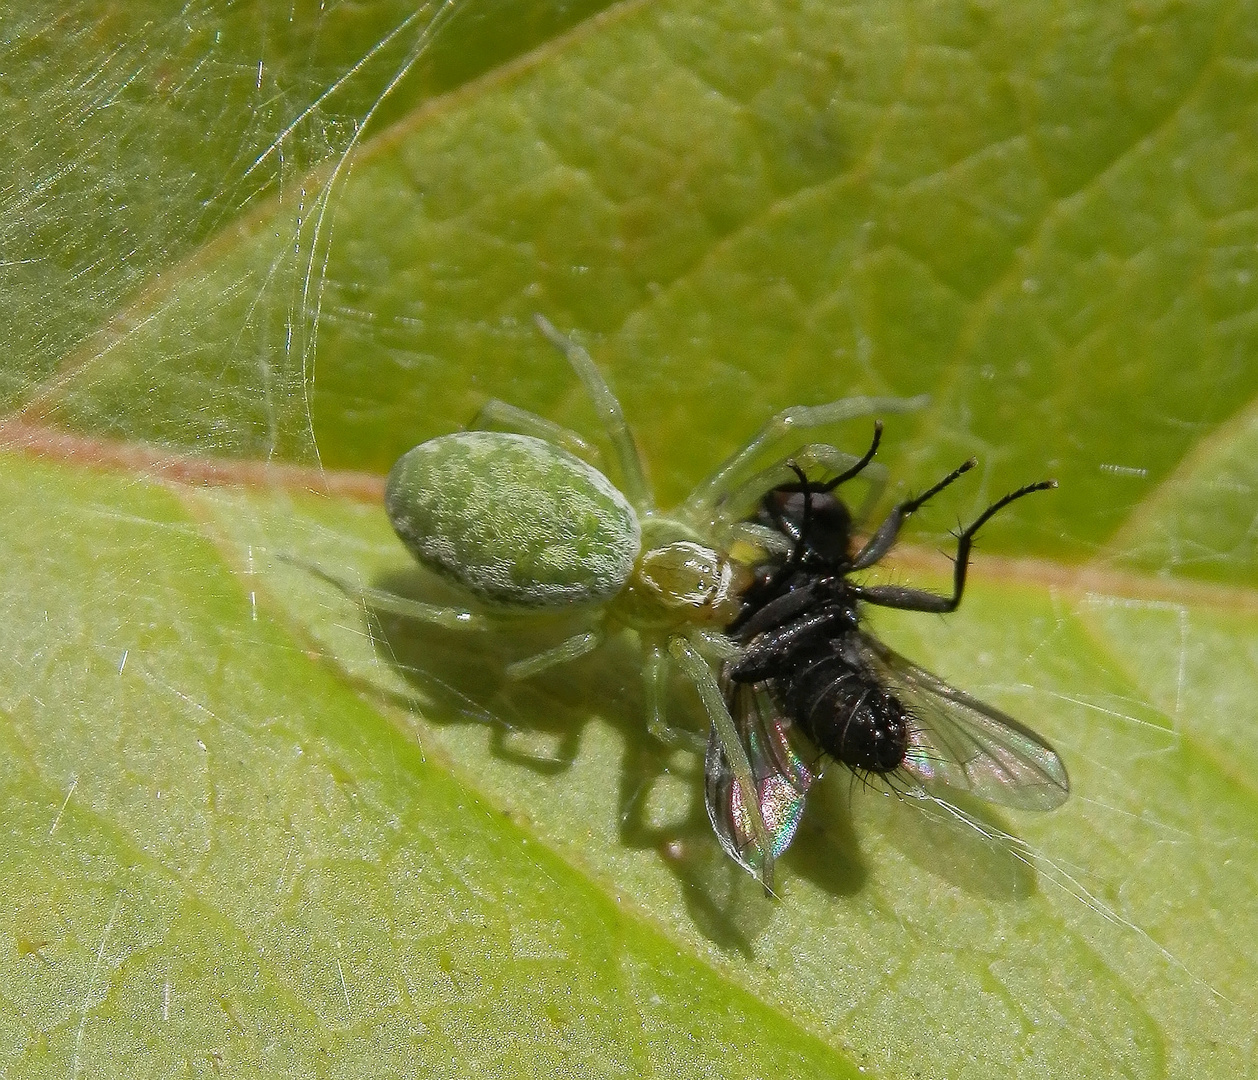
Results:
<point x="734" y="506"/>
<point x="498" y="415"/>
<point x="898" y="596"/>
<point x="760" y="536"/>
<point x="381" y="600"/>
<point x="633" y="475"/>
<point x="573" y="647"/>
<point x="698" y="671"/>
<point x="782" y="433"/>
<point x="656" y="673"/>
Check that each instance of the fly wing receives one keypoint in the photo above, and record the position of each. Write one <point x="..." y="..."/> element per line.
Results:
<point x="784" y="765"/>
<point x="959" y="741"/>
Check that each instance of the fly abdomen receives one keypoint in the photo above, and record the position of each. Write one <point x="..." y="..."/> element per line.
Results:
<point x="845" y="710"/>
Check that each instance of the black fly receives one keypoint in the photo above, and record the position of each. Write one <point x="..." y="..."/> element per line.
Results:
<point x="811" y="684"/>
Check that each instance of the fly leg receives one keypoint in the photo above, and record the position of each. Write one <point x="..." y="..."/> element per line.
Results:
<point x="898" y="596"/>
<point x="884" y="539"/>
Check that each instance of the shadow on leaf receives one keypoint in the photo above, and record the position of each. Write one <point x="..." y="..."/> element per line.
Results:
<point x="537" y="724"/>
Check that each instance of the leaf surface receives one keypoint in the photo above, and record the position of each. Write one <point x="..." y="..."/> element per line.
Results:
<point x="256" y="830"/>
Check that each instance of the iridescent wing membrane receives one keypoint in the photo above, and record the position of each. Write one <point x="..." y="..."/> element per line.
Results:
<point x="965" y="744"/>
<point x="956" y="741"/>
<point x="784" y="765"/>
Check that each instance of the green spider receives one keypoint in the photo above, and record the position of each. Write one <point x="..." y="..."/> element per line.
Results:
<point x="523" y="522"/>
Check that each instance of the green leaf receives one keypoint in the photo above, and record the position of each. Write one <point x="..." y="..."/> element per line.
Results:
<point x="252" y="256"/>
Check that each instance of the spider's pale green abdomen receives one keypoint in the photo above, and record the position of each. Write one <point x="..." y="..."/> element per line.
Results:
<point x="515" y="520"/>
